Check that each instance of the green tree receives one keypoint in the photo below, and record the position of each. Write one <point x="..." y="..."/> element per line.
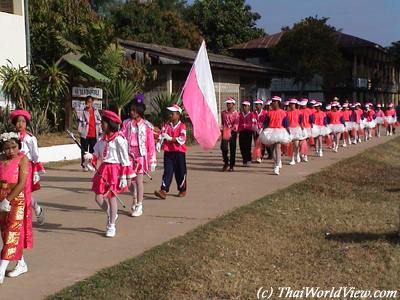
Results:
<point x="394" y="53"/>
<point x="159" y="22"/>
<point x="121" y="92"/>
<point x="310" y="48"/>
<point x="62" y="26"/>
<point x="17" y="83"/>
<point x="224" y="23"/>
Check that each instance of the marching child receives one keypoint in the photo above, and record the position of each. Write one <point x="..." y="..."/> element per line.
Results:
<point x="275" y="132"/>
<point x="379" y="119"/>
<point x="336" y="124"/>
<point x="20" y="119"/>
<point x="357" y="118"/>
<point x="15" y="226"/>
<point x="294" y="118"/>
<point x="258" y="121"/>
<point x="319" y="129"/>
<point x="306" y="124"/>
<point x="115" y="168"/>
<point x="230" y="124"/>
<point x="172" y="140"/>
<point x="139" y="135"/>
<point x="390" y="115"/>
<point x="348" y="124"/>
<point x="245" y="133"/>
<point x="369" y="115"/>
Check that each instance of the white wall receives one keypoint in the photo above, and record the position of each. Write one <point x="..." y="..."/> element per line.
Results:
<point x="59" y="153"/>
<point x="12" y="38"/>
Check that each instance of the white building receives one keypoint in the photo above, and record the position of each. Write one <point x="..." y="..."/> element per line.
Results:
<point x="12" y="35"/>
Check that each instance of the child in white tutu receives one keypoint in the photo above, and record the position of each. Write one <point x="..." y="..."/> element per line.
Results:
<point x="296" y="131"/>
<point x="390" y="116"/>
<point x="319" y="129"/>
<point x="348" y="124"/>
<point x="336" y="124"/>
<point x="369" y="115"/>
<point x="275" y="132"/>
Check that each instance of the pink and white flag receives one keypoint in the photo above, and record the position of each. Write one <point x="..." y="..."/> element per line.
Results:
<point x="198" y="97"/>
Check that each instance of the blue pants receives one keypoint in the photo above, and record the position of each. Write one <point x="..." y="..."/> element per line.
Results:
<point x="174" y="163"/>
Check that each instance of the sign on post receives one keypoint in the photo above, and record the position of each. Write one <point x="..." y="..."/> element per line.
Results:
<point x="82" y="92"/>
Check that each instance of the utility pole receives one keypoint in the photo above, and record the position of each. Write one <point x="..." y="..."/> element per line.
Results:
<point x="27" y="34"/>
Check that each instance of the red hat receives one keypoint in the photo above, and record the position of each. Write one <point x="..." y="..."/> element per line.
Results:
<point x="20" y="112"/>
<point x="258" y="101"/>
<point x="292" y="101"/>
<point x="246" y="102"/>
<point x="112" y="116"/>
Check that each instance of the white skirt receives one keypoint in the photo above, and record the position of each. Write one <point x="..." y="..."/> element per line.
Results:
<point x="336" y="128"/>
<point x="270" y="136"/>
<point x="380" y="120"/>
<point x="307" y="133"/>
<point x="320" y="130"/>
<point x="363" y="123"/>
<point x="370" y="124"/>
<point x="390" y="120"/>
<point x="349" y="126"/>
<point x="297" y="134"/>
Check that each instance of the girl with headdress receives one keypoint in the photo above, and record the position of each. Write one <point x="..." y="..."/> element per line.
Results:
<point x="15" y="224"/>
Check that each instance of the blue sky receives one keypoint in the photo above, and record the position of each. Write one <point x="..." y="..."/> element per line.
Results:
<point x="374" y="20"/>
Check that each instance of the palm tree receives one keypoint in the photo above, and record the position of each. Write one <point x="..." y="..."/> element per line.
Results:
<point x="121" y="91"/>
<point x="16" y="83"/>
<point x="159" y="104"/>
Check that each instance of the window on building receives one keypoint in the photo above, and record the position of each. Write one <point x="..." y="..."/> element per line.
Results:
<point x="7" y="6"/>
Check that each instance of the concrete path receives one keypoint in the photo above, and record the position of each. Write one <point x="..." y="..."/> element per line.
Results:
<point x="71" y="245"/>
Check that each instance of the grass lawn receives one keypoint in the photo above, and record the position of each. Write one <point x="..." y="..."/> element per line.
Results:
<point x="54" y="138"/>
<point x="337" y="228"/>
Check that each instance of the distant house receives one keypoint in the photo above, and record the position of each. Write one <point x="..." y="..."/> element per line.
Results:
<point x="12" y="36"/>
<point x="232" y="76"/>
<point x="371" y="75"/>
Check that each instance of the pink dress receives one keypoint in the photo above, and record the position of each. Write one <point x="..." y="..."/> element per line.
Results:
<point x="141" y="147"/>
<point x="16" y="226"/>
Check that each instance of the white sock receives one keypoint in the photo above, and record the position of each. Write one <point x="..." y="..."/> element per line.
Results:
<point x="36" y="206"/>
<point x="22" y="261"/>
<point x="3" y="266"/>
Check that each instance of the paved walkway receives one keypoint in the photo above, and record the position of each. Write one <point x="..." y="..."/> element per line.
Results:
<point x="71" y="245"/>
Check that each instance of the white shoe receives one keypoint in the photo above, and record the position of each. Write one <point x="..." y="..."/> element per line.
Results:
<point x="390" y="134"/>
<point x="344" y="145"/>
<point x="335" y="149"/>
<point x="40" y="217"/>
<point x="276" y="170"/>
<point x="111" y="230"/>
<point x="298" y="158"/>
<point x="305" y="158"/>
<point x="20" y="269"/>
<point x="2" y="278"/>
<point x="137" y="211"/>
<point x="292" y="162"/>
<point x="259" y="160"/>
<point x="321" y="153"/>
<point x="280" y="164"/>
